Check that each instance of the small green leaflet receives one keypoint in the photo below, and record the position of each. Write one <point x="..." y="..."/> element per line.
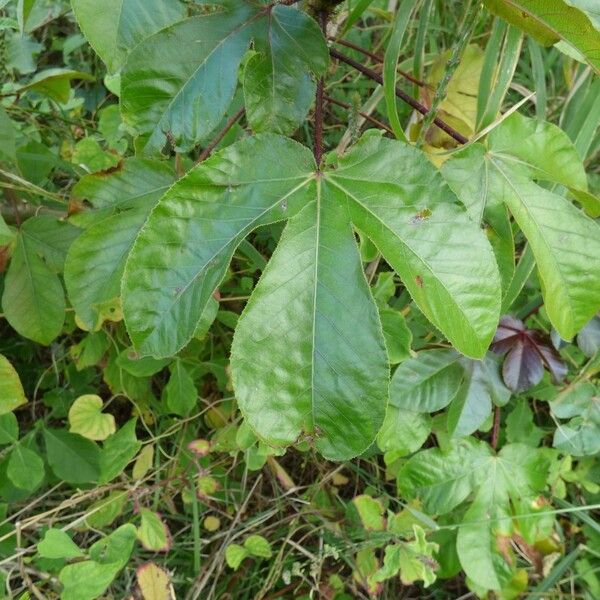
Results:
<point x="178" y="84"/>
<point x="183" y="251"/>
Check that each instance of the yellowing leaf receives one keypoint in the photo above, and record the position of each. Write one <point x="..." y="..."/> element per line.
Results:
<point x="153" y="532"/>
<point x="11" y="390"/>
<point x="199" y="447"/>
<point x="154" y="582"/>
<point x="371" y="512"/>
<point x="461" y="96"/>
<point x="143" y="462"/>
<point x="87" y="419"/>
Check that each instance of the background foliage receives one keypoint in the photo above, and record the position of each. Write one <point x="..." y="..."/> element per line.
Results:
<point x="143" y="165"/>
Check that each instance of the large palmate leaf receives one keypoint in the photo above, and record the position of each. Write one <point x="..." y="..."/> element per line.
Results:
<point x="185" y="247"/>
<point x="33" y="298"/>
<point x="95" y="263"/>
<point x="182" y="253"/>
<point x="322" y="333"/>
<point x="178" y="84"/>
<point x="564" y="241"/>
<point x="114" y="27"/>
<point x="577" y="22"/>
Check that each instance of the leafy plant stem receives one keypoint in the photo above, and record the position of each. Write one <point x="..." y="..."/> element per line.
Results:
<point x="461" y="139"/>
<point x="457" y="51"/>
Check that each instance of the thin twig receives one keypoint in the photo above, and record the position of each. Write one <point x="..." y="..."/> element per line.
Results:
<point x="215" y="142"/>
<point x="364" y="115"/>
<point x="461" y="139"/>
<point x="379" y="59"/>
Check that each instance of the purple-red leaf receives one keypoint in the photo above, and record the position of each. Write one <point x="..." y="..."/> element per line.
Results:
<point x="527" y="354"/>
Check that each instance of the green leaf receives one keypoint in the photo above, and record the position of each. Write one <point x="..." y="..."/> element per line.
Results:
<point x="55" y="83"/>
<point x="86" y="580"/>
<point x="302" y="370"/>
<point x="563" y="239"/>
<point x="278" y="89"/>
<point x="177" y="85"/>
<point x="56" y="543"/>
<point x="118" y="451"/>
<point x="182" y="253"/>
<point x="115" y="549"/>
<point x="33" y="298"/>
<point x="180" y="392"/>
<point x="9" y="429"/>
<point x="427" y="382"/>
<point x="551" y="20"/>
<point x="481" y="387"/>
<point x="153" y="532"/>
<point x="25" y="468"/>
<point x="116" y="26"/>
<point x="258" y="546"/>
<point x="72" y="457"/>
<point x="468" y="180"/>
<point x="89" y="155"/>
<point x="412" y="560"/>
<point x="12" y="394"/>
<point x="87" y="419"/>
<point x="581" y="435"/>
<point x="96" y="261"/>
<point x="90" y="350"/>
<point x="520" y="427"/>
<point x="442" y="480"/>
<point x="403" y="432"/>
<point x="398" y="336"/>
<point x="6" y="233"/>
<point x="234" y="555"/>
<point x="443" y="258"/>
<point x="482" y="544"/>
<point x="371" y="512"/>
<point x="390" y="65"/>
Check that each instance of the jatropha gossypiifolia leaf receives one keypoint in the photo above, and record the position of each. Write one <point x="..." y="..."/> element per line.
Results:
<point x="301" y="345"/>
<point x="526" y="355"/>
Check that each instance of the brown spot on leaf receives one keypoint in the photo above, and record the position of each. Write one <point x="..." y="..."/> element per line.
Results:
<point x="419" y="281"/>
